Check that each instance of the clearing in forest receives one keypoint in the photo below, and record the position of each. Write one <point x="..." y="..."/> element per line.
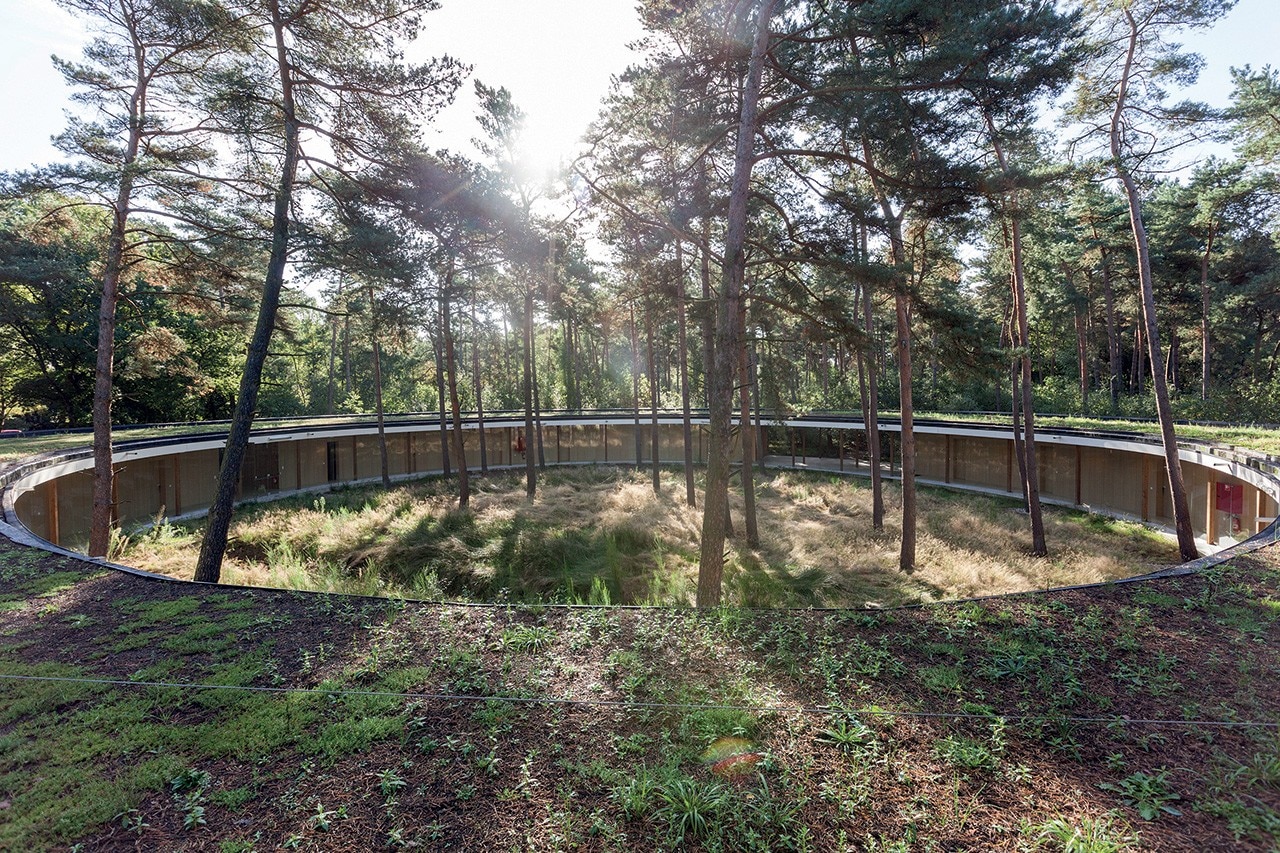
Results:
<point x="601" y="535"/>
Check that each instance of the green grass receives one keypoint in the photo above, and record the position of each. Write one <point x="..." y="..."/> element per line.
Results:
<point x="599" y="535"/>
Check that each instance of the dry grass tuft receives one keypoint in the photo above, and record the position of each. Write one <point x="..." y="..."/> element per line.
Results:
<point x="600" y="533"/>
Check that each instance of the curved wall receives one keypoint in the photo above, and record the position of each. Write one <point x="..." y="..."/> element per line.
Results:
<point x="1233" y="494"/>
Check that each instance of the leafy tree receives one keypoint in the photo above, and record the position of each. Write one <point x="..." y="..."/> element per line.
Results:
<point x="136" y="144"/>
<point x="1255" y="111"/>
<point x="1122" y="97"/>
<point x="323" y="84"/>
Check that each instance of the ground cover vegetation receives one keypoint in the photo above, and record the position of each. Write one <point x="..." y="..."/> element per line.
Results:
<point x="126" y="720"/>
<point x="803" y="206"/>
<point x="601" y="535"/>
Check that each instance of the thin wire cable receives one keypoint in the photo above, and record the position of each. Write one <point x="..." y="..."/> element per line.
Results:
<point x="633" y="705"/>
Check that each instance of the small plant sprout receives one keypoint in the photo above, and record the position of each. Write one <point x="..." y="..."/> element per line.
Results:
<point x="689" y="807"/>
<point x="389" y="782"/>
<point x="1089" y="835"/>
<point x="1148" y="793"/>
<point x="848" y="734"/>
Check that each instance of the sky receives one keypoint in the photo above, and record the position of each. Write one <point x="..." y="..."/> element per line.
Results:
<point x="555" y="56"/>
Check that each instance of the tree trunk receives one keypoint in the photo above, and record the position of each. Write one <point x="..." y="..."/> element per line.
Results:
<point x="1082" y="359"/>
<point x="214" y="544"/>
<point x="103" y="501"/>
<point x="902" y="326"/>
<point x="907" y="554"/>
<point x="385" y="466"/>
<point x="1205" y="345"/>
<point x="1139" y="355"/>
<point x="104" y="370"/>
<point x="530" y="472"/>
<point x="1177" y="487"/>
<point x="635" y="388"/>
<point x="445" y="467"/>
<point x="1113" y="333"/>
<point x="1015" y="390"/>
<point x="682" y="342"/>
<point x="708" y="319"/>
<point x="1038" y="546"/>
<point x="475" y="374"/>
<point x="333" y="360"/>
<point x="748" y="445"/>
<point x="728" y="332"/>
<point x="871" y="417"/>
<point x="346" y="355"/>
<point x="451" y="369"/>
<point x="653" y="402"/>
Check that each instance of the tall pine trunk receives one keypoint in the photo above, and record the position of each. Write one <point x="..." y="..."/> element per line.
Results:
<point x="1206" y="348"/>
<point x="384" y="464"/>
<point x="475" y="374"/>
<point x="530" y="471"/>
<point x="748" y="444"/>
<point x="451" y="370"/>
<point x="1113" y="328"/>
<point x="635" y="387"/>
<point x="1038" y="545"/>
<point x="653" y="402"/>
<point x="537" y="402"/>
<point x="103" y="503"/>
<point x="214" y="544"/>
<point x="682" y="341"/>
<point x="728" y="331"/>
<point x="871" y="414"/>
<point x="1173" y="464"/>
<point x="442" y="396"/>
<point x="902" y="331"/>
<point x="104" y="370"/>
<point x="333" y="360"/>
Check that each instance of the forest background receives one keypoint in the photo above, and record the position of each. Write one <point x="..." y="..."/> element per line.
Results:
<point x="858" y="206"/>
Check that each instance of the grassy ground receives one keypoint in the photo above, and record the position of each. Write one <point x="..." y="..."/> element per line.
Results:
<point x="1086" y="720"/>
<point x="601" y="535"/>
<point x="1253" y="438"/>
<point x="1249" y="437"/>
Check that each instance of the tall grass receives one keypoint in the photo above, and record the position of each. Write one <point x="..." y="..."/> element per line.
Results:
<point x="601" y="535"/>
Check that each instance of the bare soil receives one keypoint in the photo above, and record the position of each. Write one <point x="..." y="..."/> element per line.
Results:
<point x="527" y="728"/>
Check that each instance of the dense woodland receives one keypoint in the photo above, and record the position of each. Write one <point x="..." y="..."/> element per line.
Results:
<point x="783" y="206"/>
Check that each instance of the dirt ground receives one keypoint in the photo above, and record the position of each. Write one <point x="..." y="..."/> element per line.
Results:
<point x="147" y="715"/>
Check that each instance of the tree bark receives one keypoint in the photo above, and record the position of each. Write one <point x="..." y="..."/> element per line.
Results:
<point x="1038" y="546"/>
<point x="214" y="544"/>
<point x="653" y="402"/>
<point x="635" y="387"/>
<point x="728" y="331"/>
<point x="1177" y="486"/>
<point x="704" y="264"/>
<point x="333" y="360"/>
<point x="384" y="464"/>
<point x="530" y="471"/>
<point x="103" y="513"/>
<point x="103" y="504"/>
<point x="902" y="327"/>
<point x="537" y="403"/>
<point x="871" y="416"/>
<point x="1113" y="332"/>
<point x="1082" y="359"/>
<point x="1205" y="335"/>
<point x="445" y="468"/>
<point x="451" y="369"/>
<point x="748" y="445"/>
<point x="682" y="341"/>
<point x="475" y="373"/>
